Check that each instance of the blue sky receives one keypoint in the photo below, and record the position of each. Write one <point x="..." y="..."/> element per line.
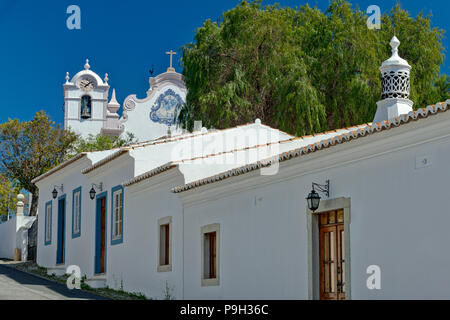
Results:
<point x="121" y="38"/>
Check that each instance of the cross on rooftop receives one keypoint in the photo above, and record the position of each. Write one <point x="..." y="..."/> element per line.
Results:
<point x="171" y="53"/>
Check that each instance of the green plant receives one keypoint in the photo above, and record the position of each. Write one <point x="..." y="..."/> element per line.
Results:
<point x="168" y="292"/>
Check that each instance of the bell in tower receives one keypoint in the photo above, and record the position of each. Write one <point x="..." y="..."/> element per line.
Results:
<point x="86" y="107"/>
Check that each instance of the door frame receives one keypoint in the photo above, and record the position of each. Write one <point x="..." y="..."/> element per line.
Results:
<point x="98" y="231"/>
<point x="60" y="225"/>
<point x="313" y="245"/>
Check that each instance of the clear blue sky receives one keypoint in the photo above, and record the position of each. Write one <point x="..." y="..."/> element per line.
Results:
<point x="122" y="38"/>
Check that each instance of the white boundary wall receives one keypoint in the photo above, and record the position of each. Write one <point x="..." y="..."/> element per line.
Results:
<point x="14" y="234"/>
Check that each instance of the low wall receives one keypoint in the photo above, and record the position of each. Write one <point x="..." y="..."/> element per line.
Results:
<point x="14" y="234"/>
<point x="8" y="238"/>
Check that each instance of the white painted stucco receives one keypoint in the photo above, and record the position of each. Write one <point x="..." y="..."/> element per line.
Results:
<point x="399" y="215"/>
<point x="13" y="234"/>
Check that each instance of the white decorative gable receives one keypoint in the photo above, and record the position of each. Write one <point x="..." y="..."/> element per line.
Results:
<point x="151" y="118"/>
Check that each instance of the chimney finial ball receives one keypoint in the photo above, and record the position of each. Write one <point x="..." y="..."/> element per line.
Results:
<point x="395" y="43"/>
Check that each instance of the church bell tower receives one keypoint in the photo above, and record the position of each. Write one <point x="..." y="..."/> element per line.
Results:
<point x="85" y="102"/>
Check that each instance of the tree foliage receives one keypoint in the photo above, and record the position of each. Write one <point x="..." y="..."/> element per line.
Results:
<point x="29" y="149"/>
<point x="100" y="142"/>
<point x="303" y="70"/>
<point x="8" y="195"/>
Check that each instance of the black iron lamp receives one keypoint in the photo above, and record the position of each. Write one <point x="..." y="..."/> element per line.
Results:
<point x="92" y="192"/>
<point x="314" y="198"/>
<point x="55" y="192"/>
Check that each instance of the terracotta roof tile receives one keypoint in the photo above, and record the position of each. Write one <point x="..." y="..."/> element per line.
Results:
<point x="149" y="174"/>
<point x="165" y="140"/>
<point x="355" y="134"/>
<point x="59" y="167"/>
<point x="106" y="160"/>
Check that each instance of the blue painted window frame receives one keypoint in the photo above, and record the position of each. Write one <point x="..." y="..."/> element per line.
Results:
<point x="49" y="242"/>
<point x="77" y="234"/>
<point x="98" y="233"/>
<point x="118" y="240"/>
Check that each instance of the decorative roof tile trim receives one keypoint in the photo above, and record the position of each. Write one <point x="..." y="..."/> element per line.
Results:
<point x="369" y="130"/>
<point x="236" y="150"/>
<point x="149" y="174"/>
<point x="174" y="164"/>
<point x="162" y="141"/>
<point x="57" y="168"/>
<point x="182" y="136"/>
<point x="105" y="160"/>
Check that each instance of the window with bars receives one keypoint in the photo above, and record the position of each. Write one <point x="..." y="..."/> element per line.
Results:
<point x="117" y="215"/>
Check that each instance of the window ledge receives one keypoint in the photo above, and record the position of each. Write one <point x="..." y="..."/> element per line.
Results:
<point x="210" y="282"/>
<point x="116" y="241"/>
<point x="166" y="268"/>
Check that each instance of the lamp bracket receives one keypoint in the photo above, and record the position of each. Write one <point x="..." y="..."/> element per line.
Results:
<point x="324" y="188"/>
<point x="98" y="186"/>
<point x="60" y="188"/>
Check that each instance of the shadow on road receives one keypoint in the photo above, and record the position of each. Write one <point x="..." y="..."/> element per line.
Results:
<point x="47" y="287"/>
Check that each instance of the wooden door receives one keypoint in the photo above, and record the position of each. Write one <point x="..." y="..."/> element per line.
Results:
<point x="102" y="235"/>
<point x="332" y="255"/>
<point x="100" y="238"/>
<point x="60" y="247"/>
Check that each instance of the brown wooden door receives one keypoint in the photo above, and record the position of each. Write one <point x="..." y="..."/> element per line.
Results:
<point x="332" y="256"/>
<point x="102" y="234"/>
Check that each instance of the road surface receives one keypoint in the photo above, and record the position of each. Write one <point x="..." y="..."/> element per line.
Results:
<point x="18" y="285"/>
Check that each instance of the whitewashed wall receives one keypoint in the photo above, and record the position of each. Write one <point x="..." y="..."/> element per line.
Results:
<point x="79" y="251"/>
<point x="112" y="175"/>
<point x="13" y="234"/>
<point x="399" y="218"/>
<point x="137" y="259"/>
<point x="8" y="238"/>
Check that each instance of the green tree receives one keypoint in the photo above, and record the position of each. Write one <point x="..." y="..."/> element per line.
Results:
<point x="303" y="70"/>
<point x="101" y="142"/>
<point x="8" y="196"/>
<point x="31" y="148"/>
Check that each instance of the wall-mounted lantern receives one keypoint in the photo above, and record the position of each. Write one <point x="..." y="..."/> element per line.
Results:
<point x="55" y="191"/>
<point x="92" y="193"/>
<point x="314" y="198"/>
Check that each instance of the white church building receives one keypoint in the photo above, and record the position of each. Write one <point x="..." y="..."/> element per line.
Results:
<point x="251" y="212"/>
<point x="87" y="110"/>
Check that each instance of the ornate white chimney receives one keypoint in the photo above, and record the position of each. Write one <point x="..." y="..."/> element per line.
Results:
<point x="396" y="86"/>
